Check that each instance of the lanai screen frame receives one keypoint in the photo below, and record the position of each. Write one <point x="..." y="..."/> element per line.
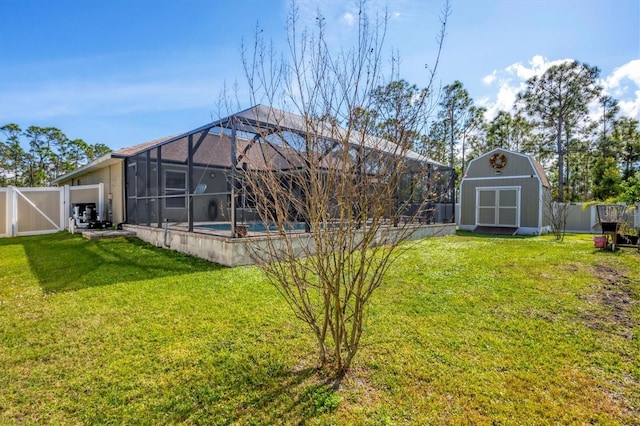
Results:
<point x="249" y="127"/>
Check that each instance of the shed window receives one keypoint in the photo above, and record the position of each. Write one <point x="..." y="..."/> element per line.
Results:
<point x="175" y="183"/>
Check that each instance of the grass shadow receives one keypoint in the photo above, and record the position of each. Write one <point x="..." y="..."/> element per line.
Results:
<point x="280" y="395"/>
<point x="66" y="262"/>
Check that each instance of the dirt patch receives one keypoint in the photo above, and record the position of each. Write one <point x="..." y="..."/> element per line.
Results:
<point x="613" y="303"/>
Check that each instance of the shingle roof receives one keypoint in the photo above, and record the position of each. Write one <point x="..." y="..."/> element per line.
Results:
<point x="215" y="148"/>
<point x="133" y="150"/>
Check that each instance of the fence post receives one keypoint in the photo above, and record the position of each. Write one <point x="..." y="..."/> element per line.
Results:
<point x="13" y="210"/>
<point x="64" y="199"/>
<point x="101" y="201"/>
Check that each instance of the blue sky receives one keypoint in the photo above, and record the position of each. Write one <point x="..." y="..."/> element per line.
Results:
<point x="121" y="72"/>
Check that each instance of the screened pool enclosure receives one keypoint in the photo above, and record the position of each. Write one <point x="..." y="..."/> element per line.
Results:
<point x="198" y="181"/>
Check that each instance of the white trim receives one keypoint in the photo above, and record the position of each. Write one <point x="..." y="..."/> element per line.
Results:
<point x="66" y="208"/>
<point x="489" y="154"/>
<point x="14" y="212"/>
<point x="101" y="201"/>
<point x="541" y="201"/>
<point x="502" y="177"/>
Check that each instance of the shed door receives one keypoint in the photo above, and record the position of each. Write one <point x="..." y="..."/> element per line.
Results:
<point x="498" y="206"/>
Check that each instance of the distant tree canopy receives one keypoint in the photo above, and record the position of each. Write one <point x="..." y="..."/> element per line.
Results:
<point x="563" y="118"/>
<point x="38" y="155"/>
<point x="558" y="103"/>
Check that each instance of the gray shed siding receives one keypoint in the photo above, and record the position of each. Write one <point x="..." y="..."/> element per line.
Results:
<point x="517" y="165"/>
<point x="529" y="198"/>
<point x="519" y="173"/>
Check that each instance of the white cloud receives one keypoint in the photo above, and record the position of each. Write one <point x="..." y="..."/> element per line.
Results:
<point x="623" y="84"/>
<point x="504" y="99"/>
<point x="488" y="79"/>
<point x="537" y="66"/>
<point x="348" y="18"/>
<point x="629" y="71"/>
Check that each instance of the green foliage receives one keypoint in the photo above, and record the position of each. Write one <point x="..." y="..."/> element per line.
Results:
<point x="50" y="154"/>
<point x="551" y="123"/>
<point x="626" y="135"/>
<point x="466" y="330"/>
<point x="630" y="190"/>
<point x="606" y="179"/>
<point x="323" y="398"/>
<point x="606" y="145"/>
<point x="458" y="117"/>
<point x="395" y="110"/>
<point x="558" y="102"/>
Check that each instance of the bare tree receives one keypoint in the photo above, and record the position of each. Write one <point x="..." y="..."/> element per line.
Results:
<point x="558" y="213"/>
<point x="358" y="195"/>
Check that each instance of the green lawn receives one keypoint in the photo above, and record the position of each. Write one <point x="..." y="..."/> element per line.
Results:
<point x="466" y="330"/>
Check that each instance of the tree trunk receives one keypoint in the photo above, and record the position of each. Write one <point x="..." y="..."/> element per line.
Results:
<point x="560" y="160"/>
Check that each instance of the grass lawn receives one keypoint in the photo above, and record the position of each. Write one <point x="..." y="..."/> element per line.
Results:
<point x="466" y="330"/>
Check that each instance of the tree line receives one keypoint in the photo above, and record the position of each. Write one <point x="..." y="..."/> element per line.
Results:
<point x="50" y="154"/>
<point x="586" y="155"/>
<point x="586" y="158"/>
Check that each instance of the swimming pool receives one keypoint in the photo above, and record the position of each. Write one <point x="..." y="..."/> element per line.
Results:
<point x="253" y="226"/>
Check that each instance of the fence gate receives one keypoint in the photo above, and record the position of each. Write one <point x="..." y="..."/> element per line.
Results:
<point x="32" y="211"/>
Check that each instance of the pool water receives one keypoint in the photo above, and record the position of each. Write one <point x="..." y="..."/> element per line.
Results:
<point x="254" y="226"/>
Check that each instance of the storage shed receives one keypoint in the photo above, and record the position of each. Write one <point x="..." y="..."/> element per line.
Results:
<point x="505" y="192"/>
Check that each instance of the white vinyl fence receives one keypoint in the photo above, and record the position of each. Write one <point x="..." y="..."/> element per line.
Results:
<point x="584" y="219"/>
<point x="32" y="211"/>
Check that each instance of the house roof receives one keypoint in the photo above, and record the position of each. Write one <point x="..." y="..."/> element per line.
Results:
<point x="133" y="150"/>
<point x="214" y="148"/>
<point x="262" y="117"/>
<point x="264" y="120"/>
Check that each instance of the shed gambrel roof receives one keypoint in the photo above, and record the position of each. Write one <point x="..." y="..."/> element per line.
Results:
<point x="535" y="165"/>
